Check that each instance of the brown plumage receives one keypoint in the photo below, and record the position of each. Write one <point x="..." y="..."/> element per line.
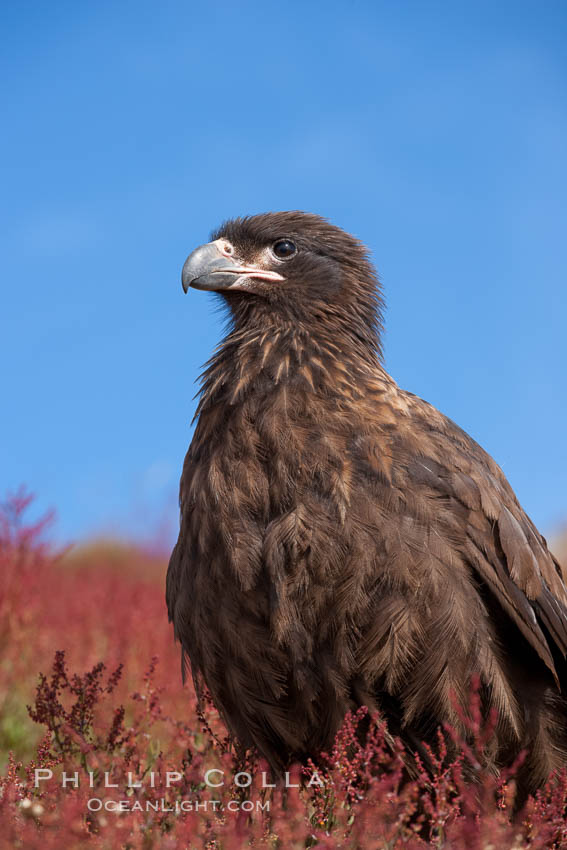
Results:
<point x="342" y="542"/>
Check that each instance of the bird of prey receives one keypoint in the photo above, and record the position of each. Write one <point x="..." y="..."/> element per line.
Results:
<point x="342" y="542"/>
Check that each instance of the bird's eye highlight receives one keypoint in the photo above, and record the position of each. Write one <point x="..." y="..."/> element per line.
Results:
<point x="284" y="248"/>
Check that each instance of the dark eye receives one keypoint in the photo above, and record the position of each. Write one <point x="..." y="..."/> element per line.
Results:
<point x="284" y="248"/>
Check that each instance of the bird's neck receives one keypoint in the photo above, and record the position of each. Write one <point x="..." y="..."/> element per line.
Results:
<point x="328" y="359"/>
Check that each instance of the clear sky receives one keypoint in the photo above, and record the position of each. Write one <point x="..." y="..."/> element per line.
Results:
<point x="434" y="131"/>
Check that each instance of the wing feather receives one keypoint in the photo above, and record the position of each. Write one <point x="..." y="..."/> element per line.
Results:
<point x="502" y="545"/>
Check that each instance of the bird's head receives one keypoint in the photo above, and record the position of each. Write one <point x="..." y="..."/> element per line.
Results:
<point x="294" y="266"/>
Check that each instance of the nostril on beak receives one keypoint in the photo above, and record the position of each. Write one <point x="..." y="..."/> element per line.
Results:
<point x="226" y="248"/>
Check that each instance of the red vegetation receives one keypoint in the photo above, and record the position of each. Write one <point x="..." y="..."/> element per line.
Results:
<point x="133" y="737"/>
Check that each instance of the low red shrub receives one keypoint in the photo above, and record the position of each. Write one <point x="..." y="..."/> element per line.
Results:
<point x="119" y="756"/>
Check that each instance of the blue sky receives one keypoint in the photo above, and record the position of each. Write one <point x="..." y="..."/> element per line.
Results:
<point x="436" y="132"/>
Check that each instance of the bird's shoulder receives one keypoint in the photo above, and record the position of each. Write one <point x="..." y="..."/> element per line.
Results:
<point x="448" y="482"/>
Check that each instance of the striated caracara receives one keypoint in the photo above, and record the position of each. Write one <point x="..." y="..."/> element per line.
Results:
<point x="342" y="542"/>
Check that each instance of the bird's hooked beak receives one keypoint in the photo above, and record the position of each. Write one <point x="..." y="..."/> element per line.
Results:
<point x="212" y="267"/>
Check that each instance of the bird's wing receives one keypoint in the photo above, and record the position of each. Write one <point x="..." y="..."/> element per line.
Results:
<point x="476" y="510"/>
